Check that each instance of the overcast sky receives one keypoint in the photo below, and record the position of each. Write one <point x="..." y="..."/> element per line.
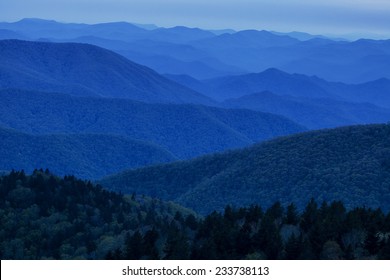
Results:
<point x="314" y="16"/>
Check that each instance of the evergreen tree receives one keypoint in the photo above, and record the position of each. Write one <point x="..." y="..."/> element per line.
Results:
<point x="309" y="216"/>
<point x="371" y="243"/>
<point x="384" y="252"/>
<point x="293" y="248"/>
<point x="149" y="244"/>
<point x="268" y="239"/>
<point x="292" y="215"/>
<point x="134" y="247"/>
<point x="177" y="247"/>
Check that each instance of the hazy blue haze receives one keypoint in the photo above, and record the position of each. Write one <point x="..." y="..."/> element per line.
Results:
<point x="360" y="17"/>
<point x="202" y="54"/>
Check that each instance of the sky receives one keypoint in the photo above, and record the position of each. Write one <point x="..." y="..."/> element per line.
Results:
<point x="314" y="16"/>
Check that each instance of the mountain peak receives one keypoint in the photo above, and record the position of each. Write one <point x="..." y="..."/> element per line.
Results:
<point x="274" y="71"/>
<point x="36" y="22"/>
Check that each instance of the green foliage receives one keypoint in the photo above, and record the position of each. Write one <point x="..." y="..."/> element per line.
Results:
<point x="348" y="164"/>
<point x="47" y="217"/>
<point x="291" y="215"/>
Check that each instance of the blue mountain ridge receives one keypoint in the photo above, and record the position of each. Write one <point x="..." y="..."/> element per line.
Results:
<point x="85" y="70"/>
<point x="185" y="130"/>
<point x="246" y="51"/>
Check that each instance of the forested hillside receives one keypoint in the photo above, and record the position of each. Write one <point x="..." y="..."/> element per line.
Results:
<point x="350" y="164"/>
<point x="48" y="217"/>
<point x="312" y="113"/>
<point x="184" y="130"/>
<point x="89" y="156"/>
<point x="86" y="70"/>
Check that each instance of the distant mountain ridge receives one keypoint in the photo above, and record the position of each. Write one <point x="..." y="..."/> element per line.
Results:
<point x="184" y="130"/>
<point x="39" y="28"/>
<point x="85" y="70"/>
<point x="247" y="51"/>
<point x="271" y="79"/>
<point x="312" y="113"/>
<point x="297" y="85"/>
<point x="308" y="100"/>
<point x="350" y="164"/>
<point x="338" y="61"/>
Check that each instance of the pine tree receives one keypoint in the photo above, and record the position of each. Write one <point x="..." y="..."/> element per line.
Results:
<point x="291" y="215"/>
<point x="309" y="216"/>
<point x="293" y="248"/>
<point x="371" y="243"/>
<point x="177" y="247"/>
<point x="149" y="244"/>
<point x="134" y="247"/>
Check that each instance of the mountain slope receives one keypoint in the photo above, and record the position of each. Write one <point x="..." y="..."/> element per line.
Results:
<point x="279" y="82"/>
<point x="184" y="130"/>
<point x="312" y="113"/>
<point x="9" y="34"/>
<point x="86" y="155"/>
<point x="164" y="57"/>
<point x="376" y="92"/>
<point x="190" y="82"/>
<point x="87" y="70"/>
<point x="349" y="164"/>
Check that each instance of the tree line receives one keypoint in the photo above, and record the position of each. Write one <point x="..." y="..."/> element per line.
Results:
<point x="47" y="217"/>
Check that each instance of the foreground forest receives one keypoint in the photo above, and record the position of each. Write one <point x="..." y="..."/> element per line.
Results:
<point x="48" y="217"/>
